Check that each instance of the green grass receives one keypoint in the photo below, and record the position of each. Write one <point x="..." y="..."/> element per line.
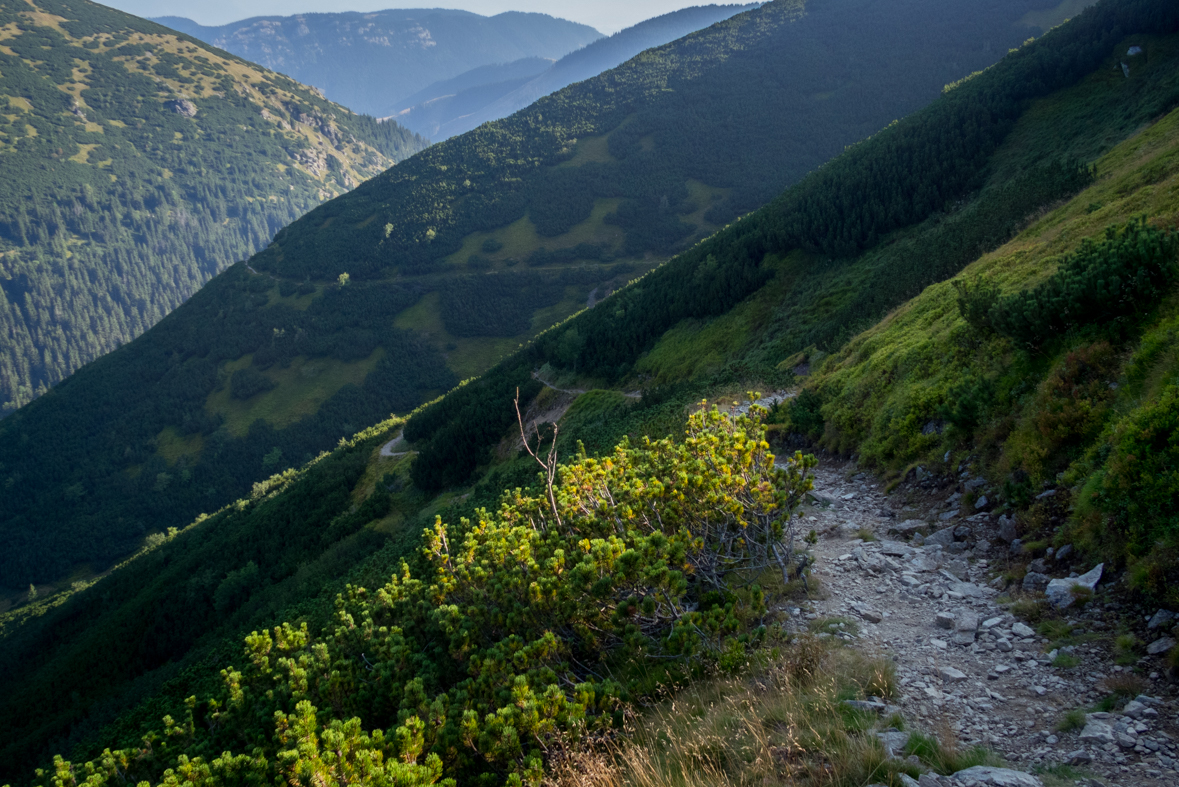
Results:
<point x="702" y="347"/>
<point x="301" y="388"/>
<point x="520" y="238"/>
<point x="590" y="150"/>
<point x="171" y="445"/>
<point x="1071" y="720"/>
<point x="1066" y="661"/>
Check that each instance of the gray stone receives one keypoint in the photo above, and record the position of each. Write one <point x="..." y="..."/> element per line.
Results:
<point x="966" y="620"/>
<point x="981" y="503"/>
<point x="1049" y="493"/>
<point x="909" y="527"/>
<point x="1078" y="757"/>
<point x="1161" y="645"/>
<point x="963" y="532"/>
<point x="990" y="623"/>
<point x="958" y="548"/>
<point x="974" y="483"/>
<point x="1161" y="618"/>
<point x="1022" y="630"/>
<point x="907" y="780"/>
<point x="958" y="569"/>
<point x="1039" y="566"/>
<point x="1007" y="528"/>
<point x="1134" y="709"/>
<point x="868" y="705"/>
<point x="1064" y="553"/>
<point x="930" y="780"/>
<point x="820" y="499"/>
<point x="894" y="741"/>
<point x="1096" y="731"/>
<point x="183" y="107"/>
<point x="1016" y="546"/>
<point x="867" y="613"/>
<point x="1060" y="591"/>
<point x="1004" y="645"/>
<point x="945" y="620"/>
<point x="946" y="517"/>
<point x="996" y="777"/>
<point x="1035" y="581"/>
<point x="951" y="675"/>
<point x="1125" y="741"/>
<point x="943" y="537"/>
<point x="896" y="549"/>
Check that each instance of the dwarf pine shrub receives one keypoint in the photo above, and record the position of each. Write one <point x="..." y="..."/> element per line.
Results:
<point x="528" y="629"/>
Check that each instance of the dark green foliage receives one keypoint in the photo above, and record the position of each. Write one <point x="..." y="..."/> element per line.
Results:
<point x="1138" y="485"/>
<point x="248" y="382"/>
<point x="98" y="243"/>
<point x="806" y="414"/>
<point x="718" y="273"/>
<point x="72" y="669"/>
<point x="114" y="427"/>
<point x="749" y="105"/>
<point x="1123" y="275"/>
<point x="497" y="304"/>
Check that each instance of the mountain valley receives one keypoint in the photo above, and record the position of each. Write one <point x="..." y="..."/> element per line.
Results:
<point x="940" y="546"/>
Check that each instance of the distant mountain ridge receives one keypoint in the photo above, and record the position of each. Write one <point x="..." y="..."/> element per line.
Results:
<point x="370" y="61"/>
<point x="136" y="164"/>
<point x="438" y="113"/>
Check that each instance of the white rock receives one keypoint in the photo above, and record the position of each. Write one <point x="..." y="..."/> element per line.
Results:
<point x="996" y="777"/>
<point x="1022" y="630"/>
<point x="951" y="675"/>
<point x="1161" y="645"/>
<point x="1096" y="731"/>
<point x="1060" y="591"/>
<point x="1160" y="618"/>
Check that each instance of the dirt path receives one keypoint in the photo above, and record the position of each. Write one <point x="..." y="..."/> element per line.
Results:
<point x="964" y="662"/>
<point x="578" y="391"/>
<point x="389" y="449"/>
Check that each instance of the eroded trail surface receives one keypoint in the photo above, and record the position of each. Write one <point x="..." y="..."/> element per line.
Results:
<point x="964" y="662"/>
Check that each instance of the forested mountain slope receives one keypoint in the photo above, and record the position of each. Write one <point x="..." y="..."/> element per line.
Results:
<point x="1021" y="162"/>
<point x="138" y="163"/>
<point x="446" y="113"/>
<point x="371" y="61"/>
<point x="433" y="270"/>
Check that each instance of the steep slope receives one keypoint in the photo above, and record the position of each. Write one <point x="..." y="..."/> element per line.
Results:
<point x="66" y="662"/>
<point x="439" y="118"/>
<point x="137" y="164"/>
<point x="416" y="276"/>
<point x="371" y="61"/>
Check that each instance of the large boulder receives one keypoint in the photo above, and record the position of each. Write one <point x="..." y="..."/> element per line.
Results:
<point x="1060" y="591"/>
<point x="995" y="777"/>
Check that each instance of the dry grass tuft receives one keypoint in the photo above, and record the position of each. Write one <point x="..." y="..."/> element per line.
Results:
<point x="786" y="724"/>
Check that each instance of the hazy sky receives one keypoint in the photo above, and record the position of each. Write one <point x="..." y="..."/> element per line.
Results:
<point x="608" y="16"/>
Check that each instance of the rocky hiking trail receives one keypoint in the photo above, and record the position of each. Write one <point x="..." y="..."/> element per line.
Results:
<point x="965" y="664"/>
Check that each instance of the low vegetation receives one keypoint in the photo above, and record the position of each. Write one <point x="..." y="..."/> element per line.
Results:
<point x="641" y="566"/>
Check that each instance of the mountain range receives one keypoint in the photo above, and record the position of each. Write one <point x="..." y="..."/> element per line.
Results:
<point x="455" y="106"/>
<point x="370" y="61"/>
<point x="988" y="282"/>
<point x="431" y="272"/>
<point x="138" y="163"/>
